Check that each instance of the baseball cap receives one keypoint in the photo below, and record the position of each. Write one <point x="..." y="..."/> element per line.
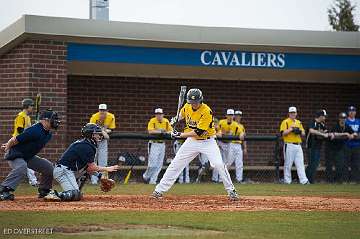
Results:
<point x="342" y="115"/>
<point x="320" y="113"/>
<point x="102" y="107"/>
<point x="159" y="111"/>
<point x="230" y="112"/>
<point x="238" y="112"/>
<point x="351" y="108"/>
<point x="292" y="109"/>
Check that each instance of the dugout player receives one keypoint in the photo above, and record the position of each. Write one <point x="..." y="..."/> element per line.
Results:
<point x="336" y="147"/>
<point x="315" y="137"/>
<point x="225" y="129"/>
<point x="77" y="161"/>
<point x="291" y="130"/>
<point x="20" y="152"/>
<point x="156" y="149"/>
<point x="106" y="121"/>
<point x="200" y="138"/>
<point x="236" y="151"/>
<point x="238" y="117"/>
<point x="21" y="122"/>
<point x="353" y="146"/>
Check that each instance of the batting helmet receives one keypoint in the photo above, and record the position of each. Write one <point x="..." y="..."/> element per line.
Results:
<point x="26" y="103"/>
<point x="52" y="116"/>
<point x="194" y="96"/>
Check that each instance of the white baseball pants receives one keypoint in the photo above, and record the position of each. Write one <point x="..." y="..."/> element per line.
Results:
<point x="236" y="155"/>
<point x="293" y="154"/>
<point x="187" y="152"/>
<point x="155" y="162"/>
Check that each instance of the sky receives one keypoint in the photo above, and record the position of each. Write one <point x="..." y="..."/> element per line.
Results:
<point x="265" y="14"/>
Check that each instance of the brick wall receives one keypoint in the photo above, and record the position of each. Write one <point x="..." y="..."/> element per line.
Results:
<point x="33" y="66"/>
<point x="264" y="105"/>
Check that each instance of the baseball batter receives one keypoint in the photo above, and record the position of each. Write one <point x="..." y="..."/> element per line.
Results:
<point x="200" y="138"/>
<point x="291" y="130"/>
<point x="21" y="122"/>
<point x="76" y="162"/>
<point x="156" y="125"/>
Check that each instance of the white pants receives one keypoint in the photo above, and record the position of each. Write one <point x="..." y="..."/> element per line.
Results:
<point x="184" y="175"/>
<point x="31" y="176"/>
<point x="224" y="150"/>
<point x="236" y="155"/>
<point x="293" y="154"/>
<point x="187" y="152"/>
<point x="101" y="158"/>
<point x="155" y="162"/>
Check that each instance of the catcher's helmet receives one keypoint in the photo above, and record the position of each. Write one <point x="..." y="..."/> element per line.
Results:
<point x="26" y="103"/>
<point x="52" y="116"/>
<point x="89" y="130"/>
<point x="194" y="96"/>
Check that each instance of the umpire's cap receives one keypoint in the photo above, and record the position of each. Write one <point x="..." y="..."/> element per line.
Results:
<point x="52" y="116"/>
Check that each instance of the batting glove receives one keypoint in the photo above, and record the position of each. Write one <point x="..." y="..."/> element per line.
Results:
<point x="175" y="135"/>
<point x="173" y="120"/>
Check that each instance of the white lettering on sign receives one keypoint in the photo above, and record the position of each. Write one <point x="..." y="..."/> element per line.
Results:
<point x="244" y="59"/>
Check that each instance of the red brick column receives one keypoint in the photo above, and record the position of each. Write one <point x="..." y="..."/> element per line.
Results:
<point x="35" y="66"/>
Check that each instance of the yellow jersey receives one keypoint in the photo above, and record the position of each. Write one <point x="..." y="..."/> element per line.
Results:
<point x="201" y="118"/>
<point x="237" y="130"/>
<point x="21" y="122"/>
<point x="154" y="124"/>
<point x="291" y="137"/>
<point x="109" y="121"/>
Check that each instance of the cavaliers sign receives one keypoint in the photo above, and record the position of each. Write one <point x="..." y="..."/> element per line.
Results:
<point x="212" y="58"/>
<point x="242" y="59"/>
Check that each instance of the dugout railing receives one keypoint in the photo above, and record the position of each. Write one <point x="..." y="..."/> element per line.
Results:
<point x="272" y="170"/>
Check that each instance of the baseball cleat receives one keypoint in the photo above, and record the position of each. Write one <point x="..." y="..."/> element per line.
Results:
<point x="4" y="196"/>
<point x="233" y="196"/>
<point x="52" y="197"/>
<point x="156" y="195"/>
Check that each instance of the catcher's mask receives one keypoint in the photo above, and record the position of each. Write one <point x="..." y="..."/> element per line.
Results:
<point x="89" y="131"/>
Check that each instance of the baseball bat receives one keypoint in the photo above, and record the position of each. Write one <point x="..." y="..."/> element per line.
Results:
<point x="180" y="102"/>
<point x="37" y="107"/>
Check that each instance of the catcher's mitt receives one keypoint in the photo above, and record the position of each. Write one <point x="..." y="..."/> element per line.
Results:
<point x="296" y="130"/>
<point x="106" y="184"/>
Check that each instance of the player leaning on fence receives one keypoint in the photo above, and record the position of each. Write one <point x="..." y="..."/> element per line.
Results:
<point x="106" y="121"/>
<point x="291" y="130"/>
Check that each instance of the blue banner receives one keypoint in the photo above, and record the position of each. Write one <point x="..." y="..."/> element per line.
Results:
<point x="211" y="58"/>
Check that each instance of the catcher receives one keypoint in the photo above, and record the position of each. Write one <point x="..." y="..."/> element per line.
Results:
<point x="77" y="162"/>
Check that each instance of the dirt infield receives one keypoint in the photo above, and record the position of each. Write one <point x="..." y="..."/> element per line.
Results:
<point x="185" y="203"/>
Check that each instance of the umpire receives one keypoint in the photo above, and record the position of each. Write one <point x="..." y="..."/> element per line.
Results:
<point x="20" y="152"/>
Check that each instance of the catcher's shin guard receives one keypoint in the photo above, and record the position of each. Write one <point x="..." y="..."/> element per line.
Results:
<point x="71" y="195"/>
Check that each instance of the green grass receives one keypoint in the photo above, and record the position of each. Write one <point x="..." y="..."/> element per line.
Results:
<point x="345" y="190"/>
<point x="259" y="224"/>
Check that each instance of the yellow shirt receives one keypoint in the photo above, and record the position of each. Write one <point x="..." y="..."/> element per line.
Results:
<point x="23" y="121"/>
<point x="201" y="118"/>
<point x="109" y="121"/>
<point x="154" y="124"/>
<point x="231" y="129"/>
<point x="237" y="130"/>
<point x="291" y="137"/>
